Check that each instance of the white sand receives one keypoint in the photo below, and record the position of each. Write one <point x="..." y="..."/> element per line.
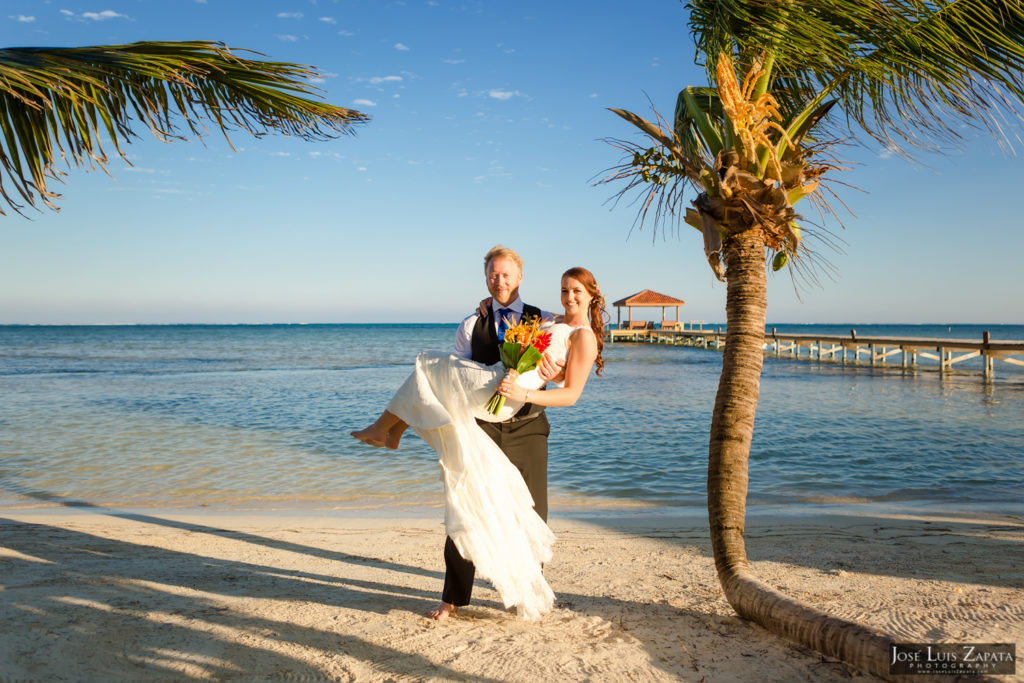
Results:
<point x="108" y="595"/>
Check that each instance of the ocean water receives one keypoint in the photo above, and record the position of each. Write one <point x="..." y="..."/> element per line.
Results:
<point x="258" y="417"/>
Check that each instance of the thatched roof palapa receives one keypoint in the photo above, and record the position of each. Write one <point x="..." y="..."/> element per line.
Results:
<point x="647" y="298"/>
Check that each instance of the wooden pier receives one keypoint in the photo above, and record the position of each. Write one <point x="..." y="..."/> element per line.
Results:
<point x="944" y="353"/>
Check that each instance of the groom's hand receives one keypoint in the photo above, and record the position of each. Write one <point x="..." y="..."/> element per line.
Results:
<point x="551" y="370"/>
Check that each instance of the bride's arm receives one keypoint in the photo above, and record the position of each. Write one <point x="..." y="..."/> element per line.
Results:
<point x="582" y="352"/>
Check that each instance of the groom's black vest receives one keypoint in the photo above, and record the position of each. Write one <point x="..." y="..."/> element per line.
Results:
<point x="484" y="347"/>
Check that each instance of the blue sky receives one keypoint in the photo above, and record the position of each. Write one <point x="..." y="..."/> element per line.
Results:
<point x="487" y="126"/>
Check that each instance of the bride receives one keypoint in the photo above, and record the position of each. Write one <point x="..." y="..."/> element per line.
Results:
<point x="489" y="512"/>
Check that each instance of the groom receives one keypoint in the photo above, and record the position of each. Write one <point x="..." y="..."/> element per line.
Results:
<point x="524" y="436"/>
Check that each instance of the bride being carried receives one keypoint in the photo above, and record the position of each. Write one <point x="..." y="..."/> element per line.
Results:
<point x="494" y="467"/>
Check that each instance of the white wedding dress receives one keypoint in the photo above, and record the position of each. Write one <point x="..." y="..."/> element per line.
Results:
<point x="489" y="511"/>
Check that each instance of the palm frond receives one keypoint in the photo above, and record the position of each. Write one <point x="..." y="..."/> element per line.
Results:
<point x="659" y="173"/>
<point x="697" y="111"/>
<point x="652" y="178"/>
<point x="60" y="103"/>
<point x="905" y="72"/>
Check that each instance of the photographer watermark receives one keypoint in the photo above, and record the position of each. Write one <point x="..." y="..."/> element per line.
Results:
<point x="955" y="659"/>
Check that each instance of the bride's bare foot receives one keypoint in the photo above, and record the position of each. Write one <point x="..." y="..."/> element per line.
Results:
<point x="442" y="611"/>
<point x="394" y="436"/>
<point x="385" y="432"/>
<point x="371" y="436"/>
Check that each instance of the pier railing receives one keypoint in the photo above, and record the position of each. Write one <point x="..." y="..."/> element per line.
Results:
<point x="869" y="350"/>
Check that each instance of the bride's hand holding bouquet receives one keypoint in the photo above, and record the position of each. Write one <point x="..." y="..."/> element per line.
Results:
<point x="521" y="351"/>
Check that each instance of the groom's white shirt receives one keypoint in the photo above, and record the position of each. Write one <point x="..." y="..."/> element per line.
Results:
<point x="464" y="335"/>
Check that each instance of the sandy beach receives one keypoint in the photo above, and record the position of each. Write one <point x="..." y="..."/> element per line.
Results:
<point x="101" y="594"/>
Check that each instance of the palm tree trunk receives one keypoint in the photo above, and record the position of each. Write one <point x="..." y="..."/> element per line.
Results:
<point x="732" y="429"/>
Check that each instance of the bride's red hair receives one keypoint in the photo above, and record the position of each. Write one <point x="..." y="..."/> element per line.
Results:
<point x="596" y="311"/>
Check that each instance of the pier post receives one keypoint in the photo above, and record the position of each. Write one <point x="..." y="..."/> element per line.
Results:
<point x="946" y="352"/>
<point x="989" y="360"/>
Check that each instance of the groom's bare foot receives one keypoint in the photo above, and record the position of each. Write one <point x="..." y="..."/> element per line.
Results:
<point x="441" y="612"/>
<point x="370" y="436"/>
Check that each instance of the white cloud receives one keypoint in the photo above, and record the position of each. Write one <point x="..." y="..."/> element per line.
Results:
<point x="280" y="154"/>
<point x="385" y="79"/>
<point x="888" y="152"/>
<point x="104" y="15"/>
<point x="67" y="13"/>
<point x="402" y="48"/>
<point x="22" y="18"/>
<point x="289" y="15"/>
<point x="322" y="78"/>
<point x="346" y="33"/>
<point x="504" y="94"/>
<point x="328" y="20"/>
<point x="454" y="61"/>
<point x="288" y="38"/>
<point x="365" y="103"/>
<point x="143" y="169"/>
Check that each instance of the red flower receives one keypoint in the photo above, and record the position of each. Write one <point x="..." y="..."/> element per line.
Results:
<point x="542" y="342"/>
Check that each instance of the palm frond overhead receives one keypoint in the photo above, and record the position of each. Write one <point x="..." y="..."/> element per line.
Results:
<point x="905" y="72"/>
<point x="60" y="103"/>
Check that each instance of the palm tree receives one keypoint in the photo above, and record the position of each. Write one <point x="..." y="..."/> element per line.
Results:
<point x="60" y="103"/>
<point x="788" y="78"/>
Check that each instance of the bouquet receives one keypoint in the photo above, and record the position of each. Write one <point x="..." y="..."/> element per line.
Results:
<point x="523" y="346"/>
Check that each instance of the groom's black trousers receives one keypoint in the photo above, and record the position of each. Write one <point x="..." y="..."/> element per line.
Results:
<point x="525" y="442"/>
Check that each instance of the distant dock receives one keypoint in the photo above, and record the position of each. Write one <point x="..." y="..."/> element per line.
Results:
<point x="905" y="351"/>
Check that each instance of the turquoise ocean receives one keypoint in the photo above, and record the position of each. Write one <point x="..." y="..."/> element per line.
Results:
<point x="257" y="417"/>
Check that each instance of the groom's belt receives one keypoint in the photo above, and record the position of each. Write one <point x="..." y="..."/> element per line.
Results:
<point x="527" y="412"/>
